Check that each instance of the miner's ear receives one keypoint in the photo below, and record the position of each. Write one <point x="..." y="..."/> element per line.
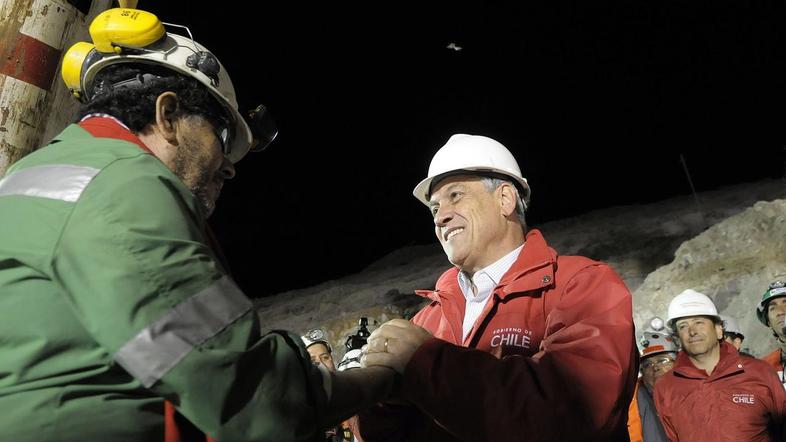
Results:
<point x="166" y="115"/>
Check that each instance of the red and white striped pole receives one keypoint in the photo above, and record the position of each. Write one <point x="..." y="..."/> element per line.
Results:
<point x="34" y="104"/>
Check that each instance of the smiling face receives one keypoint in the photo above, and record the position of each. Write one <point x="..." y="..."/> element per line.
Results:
<point x="699" y="335"/>
<point x="474" y="225"/>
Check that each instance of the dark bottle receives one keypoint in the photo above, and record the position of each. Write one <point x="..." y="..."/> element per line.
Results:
<point x="358" y="340"/>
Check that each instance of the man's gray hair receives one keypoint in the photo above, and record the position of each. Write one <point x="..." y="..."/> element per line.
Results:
<point x="491" y="185"/>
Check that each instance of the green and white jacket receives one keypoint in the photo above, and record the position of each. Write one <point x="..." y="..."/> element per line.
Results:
<point x="111" y="301"/>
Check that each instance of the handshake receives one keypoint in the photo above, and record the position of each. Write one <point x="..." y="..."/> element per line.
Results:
<point x="393" y="344"/>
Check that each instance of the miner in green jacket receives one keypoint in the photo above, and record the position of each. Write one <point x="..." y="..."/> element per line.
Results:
<point x="112" y="299"/>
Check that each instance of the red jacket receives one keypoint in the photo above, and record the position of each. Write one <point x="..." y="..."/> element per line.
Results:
<point x="558" y="359"/>
<point x="742" y="400"/>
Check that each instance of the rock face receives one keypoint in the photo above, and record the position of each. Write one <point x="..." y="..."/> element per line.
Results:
<point x="659" y="249"/>
<point x="382" y="291"/>
<point x="732" y="262"/>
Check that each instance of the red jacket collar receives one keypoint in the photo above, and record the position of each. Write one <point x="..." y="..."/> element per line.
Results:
<point x="533" y="269"/>
<point x="728" y="363"/>
<point x="106" y="127"/>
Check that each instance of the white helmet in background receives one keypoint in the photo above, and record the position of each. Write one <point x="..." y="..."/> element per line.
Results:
<point x="691" y="303"/>
<point x="652" y="343"/>
<point x="316" y="336"/>
<point x="473" y="153"/>
<point x="350" y="360"/>
<point x="730" y="326"/>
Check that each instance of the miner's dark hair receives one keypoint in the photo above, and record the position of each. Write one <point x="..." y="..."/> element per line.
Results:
<point x="128" y="92"/>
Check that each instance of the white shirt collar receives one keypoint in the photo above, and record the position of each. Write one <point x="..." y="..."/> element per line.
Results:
<point x="488" y="277"/>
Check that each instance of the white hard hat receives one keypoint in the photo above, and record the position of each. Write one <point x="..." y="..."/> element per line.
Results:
<point x="691" y="303"/>
<point x="350" y="360"/>
<point x="730" y="325"/>
<point x="474" y="153"/>
<point x="124" y="35"/>
<point x="655" y="343"/>
<point x="316" y="336"/>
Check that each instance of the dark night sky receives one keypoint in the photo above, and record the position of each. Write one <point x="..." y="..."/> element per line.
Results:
<point x="597" y="99"/>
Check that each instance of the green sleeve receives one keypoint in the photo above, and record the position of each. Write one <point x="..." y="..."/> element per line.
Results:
<point x="133" y="262"/>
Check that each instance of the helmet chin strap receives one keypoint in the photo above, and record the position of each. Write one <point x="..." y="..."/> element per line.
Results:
<point x="782" y="345"/>
<point x="782" y="342"/>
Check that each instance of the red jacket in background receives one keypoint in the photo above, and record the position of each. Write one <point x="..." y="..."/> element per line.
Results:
<point x="558" y="360"/>
<point x="742" y="400"/>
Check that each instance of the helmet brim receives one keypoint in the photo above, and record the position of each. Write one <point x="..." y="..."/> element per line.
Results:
<point x="423" y="189"/>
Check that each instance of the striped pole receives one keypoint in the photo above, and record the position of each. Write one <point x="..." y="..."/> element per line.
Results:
<point x="34" y="103"/>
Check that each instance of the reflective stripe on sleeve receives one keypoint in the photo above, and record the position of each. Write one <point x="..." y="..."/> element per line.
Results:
<point x="58" y="182"/>
<point x="155" y="350"/>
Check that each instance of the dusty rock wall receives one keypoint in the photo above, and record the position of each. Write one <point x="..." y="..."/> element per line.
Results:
<point x="732" y="262"/>
<point x="658" y="249"/>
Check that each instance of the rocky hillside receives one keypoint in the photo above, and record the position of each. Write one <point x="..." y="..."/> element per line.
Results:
<point x="732" y="262"/>
<point x="728" y="243"/>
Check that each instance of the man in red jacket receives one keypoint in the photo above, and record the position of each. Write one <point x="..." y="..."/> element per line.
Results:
<point x="518" y="343"/>
<point x="713" y="393"/>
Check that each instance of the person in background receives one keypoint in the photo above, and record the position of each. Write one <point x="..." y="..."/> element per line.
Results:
<point x="771" y="312"/>
<point x="658" y="353"/>
<point x="518" y="342"/>
<point x="319" y="348"/>
<point x="713" y="393"/>
<point x="351" y="361"/>
<point x="731" y="332"/>
<point x="114" y="299"/>
<point x="321" y="353"/>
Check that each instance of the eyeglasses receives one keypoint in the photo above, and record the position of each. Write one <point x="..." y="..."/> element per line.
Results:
<point x="263" y="130"/>
<point x="652" y="364"/>
<point x="224" y="135"/>
<point x="223" y="128"/>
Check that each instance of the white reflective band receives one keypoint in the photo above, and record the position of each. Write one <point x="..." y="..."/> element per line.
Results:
<point x="772" y="292"/>
<point x="57" y="182"/>
<point x="159" y="347"/>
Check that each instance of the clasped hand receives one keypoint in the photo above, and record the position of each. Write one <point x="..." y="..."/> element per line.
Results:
<point x="393" y="344"/>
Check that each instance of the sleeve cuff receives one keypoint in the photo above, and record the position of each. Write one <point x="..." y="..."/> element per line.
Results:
<point x="415" y="385"/>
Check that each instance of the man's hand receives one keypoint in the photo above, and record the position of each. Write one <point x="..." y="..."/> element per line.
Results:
<point x="393" y="344"/>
